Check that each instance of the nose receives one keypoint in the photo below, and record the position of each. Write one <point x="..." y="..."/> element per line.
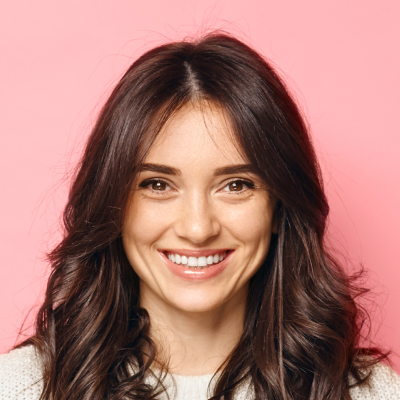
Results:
<point x="196" y="220"/>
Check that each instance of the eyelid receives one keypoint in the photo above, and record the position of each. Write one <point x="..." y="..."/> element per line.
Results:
<point x="247" y="182"/>
<point x="149" y="181"/>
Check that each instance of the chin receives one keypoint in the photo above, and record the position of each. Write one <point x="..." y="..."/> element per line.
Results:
<point x="195" y="302"/>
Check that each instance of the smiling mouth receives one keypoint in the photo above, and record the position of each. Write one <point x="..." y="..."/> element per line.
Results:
<point x="197" y="262"/>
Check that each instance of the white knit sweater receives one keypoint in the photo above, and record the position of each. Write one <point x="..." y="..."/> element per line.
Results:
<point x="21" y="379"/>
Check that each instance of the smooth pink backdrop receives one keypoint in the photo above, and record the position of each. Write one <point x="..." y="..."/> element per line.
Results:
<point x="59" y="61"/>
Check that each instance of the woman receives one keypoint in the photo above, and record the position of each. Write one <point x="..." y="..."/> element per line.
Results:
<point x="193" y="262"/>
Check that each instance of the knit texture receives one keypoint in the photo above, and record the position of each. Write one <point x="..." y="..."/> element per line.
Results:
<point x="21" y="379"/>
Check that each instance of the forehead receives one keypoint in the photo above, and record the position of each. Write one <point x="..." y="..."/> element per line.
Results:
<point x="196" y="133"/>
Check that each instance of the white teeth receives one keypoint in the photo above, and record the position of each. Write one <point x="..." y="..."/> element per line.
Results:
<point x="202" y="261"/>
<point x="192" y="262"/>
<point x="196" y="262"/>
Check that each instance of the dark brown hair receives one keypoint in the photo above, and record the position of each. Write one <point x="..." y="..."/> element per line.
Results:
<point x="302" y="325"/>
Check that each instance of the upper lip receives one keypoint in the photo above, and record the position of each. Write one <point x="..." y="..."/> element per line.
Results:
<point x="194" y="253"/>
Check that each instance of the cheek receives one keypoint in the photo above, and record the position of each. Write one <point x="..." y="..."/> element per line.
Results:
<point x="144" y="223"/>
<point x="251" y="224"/>
<point x="142" y="227"/>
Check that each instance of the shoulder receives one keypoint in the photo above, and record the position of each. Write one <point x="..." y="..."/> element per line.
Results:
<point x="384" y="384"/>
<point x="20" y="374"/>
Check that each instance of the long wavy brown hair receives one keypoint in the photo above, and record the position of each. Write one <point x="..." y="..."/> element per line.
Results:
<point x="302" y="330"/>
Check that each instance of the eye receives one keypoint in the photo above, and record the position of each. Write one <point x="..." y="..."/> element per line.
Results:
<point x="238" y="186"/>
<point x="155" y="185"/>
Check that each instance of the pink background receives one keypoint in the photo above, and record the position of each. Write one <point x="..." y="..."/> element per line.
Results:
<point x="59" y="61"/>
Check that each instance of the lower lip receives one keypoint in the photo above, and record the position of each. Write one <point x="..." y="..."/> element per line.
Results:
<point x="196" y="274"/>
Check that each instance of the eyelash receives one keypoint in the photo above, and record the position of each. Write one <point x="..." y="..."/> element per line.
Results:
<point x="148" y="182"/>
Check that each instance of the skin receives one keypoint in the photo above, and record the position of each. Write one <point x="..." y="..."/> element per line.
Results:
<point x="197" y="324"/>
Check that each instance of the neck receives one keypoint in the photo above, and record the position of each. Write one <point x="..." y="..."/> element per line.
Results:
<point x="195" y="343"/>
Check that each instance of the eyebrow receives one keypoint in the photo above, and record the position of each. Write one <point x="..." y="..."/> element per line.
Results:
<point x="160" y="168"/>
<point x="228" y="170"/>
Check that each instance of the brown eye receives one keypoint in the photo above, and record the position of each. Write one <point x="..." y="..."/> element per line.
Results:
<point x="236" y="186"/>
<point x="155" y="185"/>
<point x="158" y="186"/>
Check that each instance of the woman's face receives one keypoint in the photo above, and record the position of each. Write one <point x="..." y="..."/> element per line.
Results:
<point x="199" y="221"/>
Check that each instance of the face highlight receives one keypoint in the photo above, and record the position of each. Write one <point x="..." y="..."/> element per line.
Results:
<point x="199" y="221"/>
